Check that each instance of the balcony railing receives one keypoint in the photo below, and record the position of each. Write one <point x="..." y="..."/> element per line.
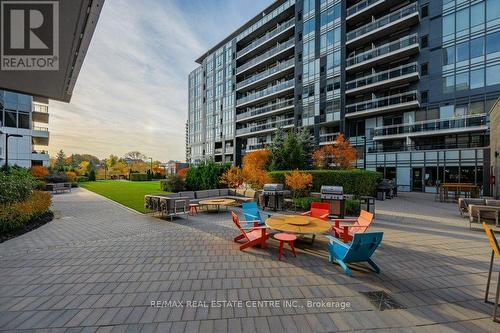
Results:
<point x="270" y="71"/>
<point x="382" y="76"/>
<point x="268" y="91"/>
<point x="327" y="138"/>
<point x="383" y="102"/>
<point x="374" y="148"/>
<point x="360" y="6"/>
<point x="383" y="21"/>
<point x="470" y="121"/>
<point x="269" y="53"/>
<point x="258" y="146"/>
<point x="266" y="126"/>
<point x="382" y="50"/>
<point x="268" y="36"/>
<point x="38" y="128"/>
<point x="44" y="152"/>
<point x="265" y="109"/>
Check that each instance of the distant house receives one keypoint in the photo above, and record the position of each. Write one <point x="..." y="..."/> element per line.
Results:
<point x="173" y="167"/>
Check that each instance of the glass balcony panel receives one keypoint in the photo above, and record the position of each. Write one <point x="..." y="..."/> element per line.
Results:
<point x="269" y="53"/>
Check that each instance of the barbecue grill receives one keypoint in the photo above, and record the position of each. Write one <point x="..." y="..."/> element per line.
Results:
<point x="334" y="196"/>
<point x="387" y="189"/>
<point x="274" y="196"/>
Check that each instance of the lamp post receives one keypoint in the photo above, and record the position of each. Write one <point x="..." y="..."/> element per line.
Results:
<point x="7" y="136"/>
<point x="364" y="152"/>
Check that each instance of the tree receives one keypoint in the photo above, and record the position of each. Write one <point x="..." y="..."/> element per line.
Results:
<point x="233" y="177"/>
<point x="91" y="171"/>
<point x="111" y="161"/>
<point x="60" y="161"/>
<point x="340" y="154"/>
<point x="82" y="168"/>
<point x="298" y="182"/>
<point x="291" y="150"/>
<point x="39" y="172"/>
<point x="135" y="156"/>
<point x="254" y="168"/>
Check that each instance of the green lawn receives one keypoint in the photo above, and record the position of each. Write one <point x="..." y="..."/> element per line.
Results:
<point x="130" y="194"/>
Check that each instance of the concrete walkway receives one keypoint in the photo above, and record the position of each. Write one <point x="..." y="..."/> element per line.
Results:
<point x="99" y="266"/>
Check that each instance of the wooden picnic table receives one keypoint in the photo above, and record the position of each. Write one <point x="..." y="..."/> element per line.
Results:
<point x="469" y="189"/>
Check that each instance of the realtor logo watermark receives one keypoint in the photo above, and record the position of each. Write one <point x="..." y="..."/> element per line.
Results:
<point x="29" y="35"/>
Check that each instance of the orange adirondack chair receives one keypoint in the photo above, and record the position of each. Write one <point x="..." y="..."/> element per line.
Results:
<point x="346" y="232"/>
<point x="254" y="235"/>
<point x="320" y="210"/>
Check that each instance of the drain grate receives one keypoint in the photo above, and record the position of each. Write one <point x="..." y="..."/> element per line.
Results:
<point x="382" y="300"/>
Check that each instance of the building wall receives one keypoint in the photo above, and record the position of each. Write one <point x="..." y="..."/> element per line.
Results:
<point x="27" y="116"/>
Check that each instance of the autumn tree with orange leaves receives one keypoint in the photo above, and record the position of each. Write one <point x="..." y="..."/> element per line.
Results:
<point x="254" y="168"/>
<point x="233" y="177"/>
<point x="298" y="182"/>
<point x="341" y="154"/>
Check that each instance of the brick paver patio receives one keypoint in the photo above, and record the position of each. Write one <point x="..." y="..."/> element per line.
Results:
<point x="98" y="267"/>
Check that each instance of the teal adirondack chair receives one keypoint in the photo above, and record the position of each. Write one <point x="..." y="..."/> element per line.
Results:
<point x="252" y="212"/>
<point x="360" y="249"/>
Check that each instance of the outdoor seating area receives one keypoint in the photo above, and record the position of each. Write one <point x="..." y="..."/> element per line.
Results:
<point x="479" y="210"/>
<point x="454" y="191"/>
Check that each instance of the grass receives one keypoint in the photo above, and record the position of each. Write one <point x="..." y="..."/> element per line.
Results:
<point x="130" y="194"/>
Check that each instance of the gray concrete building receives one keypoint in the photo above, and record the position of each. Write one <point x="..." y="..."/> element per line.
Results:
<point x="410" y="83"/>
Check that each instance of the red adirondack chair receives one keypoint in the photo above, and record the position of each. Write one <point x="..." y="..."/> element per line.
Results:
<point x="320" y="210"/>
<point x="251" y="235"/>
<point x="360" y="225"/>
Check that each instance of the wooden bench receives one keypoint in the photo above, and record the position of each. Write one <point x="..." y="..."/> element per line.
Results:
<point x="57" y="188"/>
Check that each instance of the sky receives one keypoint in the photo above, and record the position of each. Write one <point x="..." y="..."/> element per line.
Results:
<point x="131" y="94"/>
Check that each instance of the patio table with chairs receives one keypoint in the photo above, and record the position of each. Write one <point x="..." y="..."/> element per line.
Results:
<point x="469" y="190"/>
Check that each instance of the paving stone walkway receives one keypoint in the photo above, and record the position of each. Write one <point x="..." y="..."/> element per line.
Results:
<point x="99" y="266"/>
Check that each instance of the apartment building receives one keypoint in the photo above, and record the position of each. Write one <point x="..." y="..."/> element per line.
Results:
<point x="410" y="83"/>
<point x="27" y="116"/>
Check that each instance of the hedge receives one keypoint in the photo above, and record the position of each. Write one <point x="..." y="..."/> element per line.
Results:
<point x="15" y="215"/>
<point x="173" y="183"/>
<point x="139" y="177"/>
<point x="357" y="182"/>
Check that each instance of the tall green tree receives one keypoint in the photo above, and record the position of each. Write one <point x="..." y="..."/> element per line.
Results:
<point x="291" y="150"/>
<point x="60" y="161"/>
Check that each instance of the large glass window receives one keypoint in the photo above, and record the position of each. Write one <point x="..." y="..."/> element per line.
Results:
<point x="308" y="26"/>
<point x="477" y="47"/>
<point x="493" y="43"/>
<point x="462" y="81"/>
<point x="309" y="5"/>
<point x="448" y="25"/>
<point x="463" y="20"/>
<point x="10" y="119"/>
<point x="477" y="14"/>
<point x="449" y="55"/>
<point x="477" y="78"/>
<point x="492" y="10"/>
<point x="24" y="120"/>
<point x="463" y="51"/>
<point x="448" y="84"/>
<point x="492" y="75"/>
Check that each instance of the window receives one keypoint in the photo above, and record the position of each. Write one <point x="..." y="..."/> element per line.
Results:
<point x="492" y="76"/>
<point x="424" y="11"/>
<point x="477" y="14"/>
<point x="424" y="41"/>
<point x="449" y="55"/>
<point x="308" y="5"/>
<point x="463" y="20"/>
<point x="463" y="51"/>
<point x="424" y="69"/>
<point x="476" y="108"/>
<point x="477" y="78"/>
<point x="446" y="112"/>
<point x="492" y="10"/>
<point x="477" y="47"/>
<point x="493" y="43"/>
<point x="10" y="119"/>
<point x="462" y="81"/>
<point x="448" y="25"/>
<point x="24" y="120"/>
<point x="308" y="26"/>
<point x="448" y="84"/>
<point x="424" y="97"/>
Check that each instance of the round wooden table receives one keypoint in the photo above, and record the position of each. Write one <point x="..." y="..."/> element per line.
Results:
<point x="217" y="203"/>
<point x="297" y="224"/>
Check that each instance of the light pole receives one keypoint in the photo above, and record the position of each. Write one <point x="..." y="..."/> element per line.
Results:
<point x="151" y="167"/>
<point x="7" y="136"/>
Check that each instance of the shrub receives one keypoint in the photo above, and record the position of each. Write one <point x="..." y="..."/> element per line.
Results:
<point x="352" y="207"/>
<point x="233" y="177"/>
<point x="71" y="176"/>
<point x="183" y="172"/>
<point x="82" y="179"/>
<point x="39" y="172"/>
<point x="205" y="175"/>
<point x="298" y="182"/>
<point x="173" y="183"/>
<point x="254" y="168"/>
<point x="138" y="177"/>
<point x="357" y="182"/>
<point x="305" y="203"/>
<point x="16" y="185"/>
<point x="15" y="215"/>
<point x="92" y="175"/>
<point x="58" y="177"/>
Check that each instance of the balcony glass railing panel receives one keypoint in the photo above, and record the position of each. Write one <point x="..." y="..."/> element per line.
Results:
<point x="265" y="109"/>
<point x="382" y="50"/>
<point x="268" y="91"/>
<point x="328" y="137"/>
<point x="383" y="76"/>
<point x="269" y="35"/>
<point x="383" y="21"/>
<point x="360" y="6"/>
<point x="266" y="126"/>
<point x="372" y="148"/>
<point x="383" y="102"/>
<point x="270" y="71"/>
<point x="470" y="121"/>
<point x="269" y="53"/>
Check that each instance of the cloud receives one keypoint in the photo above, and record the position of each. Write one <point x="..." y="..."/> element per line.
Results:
<point x="132" y="91"/>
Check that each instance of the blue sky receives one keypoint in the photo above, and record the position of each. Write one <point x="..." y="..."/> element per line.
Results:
<point x="132" y="91"/>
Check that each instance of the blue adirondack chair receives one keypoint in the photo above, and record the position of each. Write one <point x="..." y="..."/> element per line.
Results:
<point x="360" y="249"/>
<point x="252" y="213"/>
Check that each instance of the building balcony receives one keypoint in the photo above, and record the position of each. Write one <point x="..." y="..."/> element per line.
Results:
<point x="366" y="8"/>
<point x="394" y="76"/>
<point x="40" y="136"/>
<point x="40" y="114"/>
<point x="266" y="127"/>
<point x="266" y="93"/>
<point x="400" y="19"/>
<point x="398" y="49"/>
<point x="268" y="37"/>
<point x="268" y="55"/>
<point x="269" y="74"/>
<point x="377" y="149"/>
<point x="327" y="138"/>
<point x="469" y="123"/>
<point x="397" y="102"/>
<point x="40" y="155"/>
<point x="266" y="110"/>
<point x="259" y="146"/>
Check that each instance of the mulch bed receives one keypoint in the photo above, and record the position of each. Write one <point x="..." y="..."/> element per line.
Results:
<point x="31" y="225"/>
